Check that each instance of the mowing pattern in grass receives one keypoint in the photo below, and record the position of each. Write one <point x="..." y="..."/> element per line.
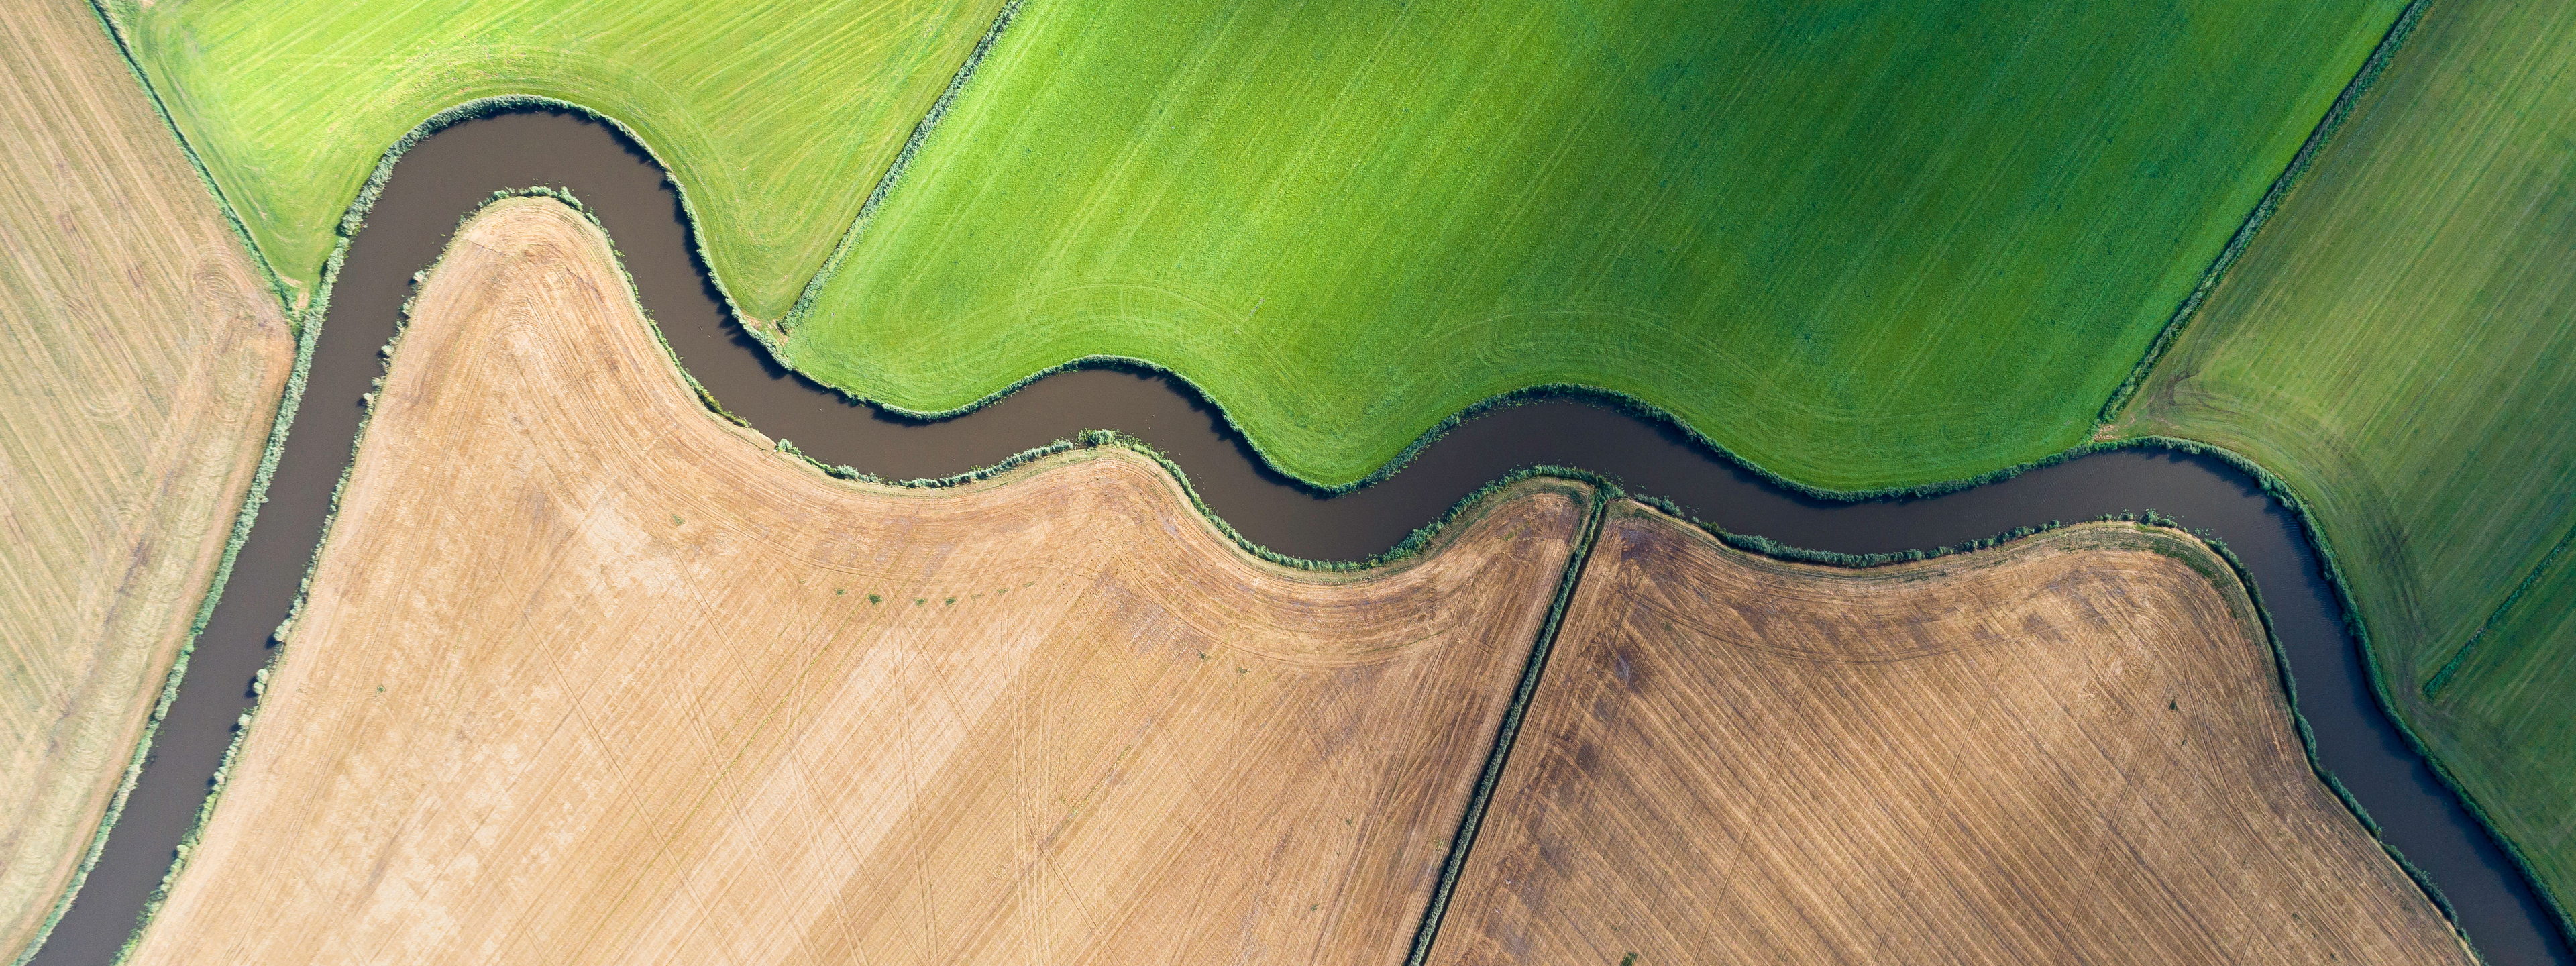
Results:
<point x="589" y="675"/>
<point x="775" y="117"/>
<point x="2400" y="344"/>
<point x="2072" y="749"/>
<point x="141" y="358"/>
<point x="1859" y="244"/>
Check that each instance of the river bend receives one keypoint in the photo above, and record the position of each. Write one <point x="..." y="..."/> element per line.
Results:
<point x="451" y="172"/>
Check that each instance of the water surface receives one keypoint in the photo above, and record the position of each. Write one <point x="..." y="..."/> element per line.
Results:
<point x="450" y="173"/>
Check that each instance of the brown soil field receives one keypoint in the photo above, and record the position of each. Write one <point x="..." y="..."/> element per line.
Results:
<point x="141" y="360"/>
<point x="2074" y="748"/>
<point x="587" y="675"/>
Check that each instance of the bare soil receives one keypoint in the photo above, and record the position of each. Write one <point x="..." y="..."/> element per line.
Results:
<point x="141" y="361"/>
<point x="2072" y="749"/>
<point x="587" y="675"/>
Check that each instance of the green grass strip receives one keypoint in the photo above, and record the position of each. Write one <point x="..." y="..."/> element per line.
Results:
<point x="1603" y="494"/>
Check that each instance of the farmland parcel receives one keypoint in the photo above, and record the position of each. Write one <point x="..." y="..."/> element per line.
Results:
<point x="1858" y="244"/>
<point x="774" y="117"/>
<point x="586" y="675"/>
<point x="141" y="358"/>
<point x="2072" y="749"/>
<point x="2400" y="344"/>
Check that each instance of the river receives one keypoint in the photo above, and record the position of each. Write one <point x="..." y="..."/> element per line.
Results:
<point x="451" y="172"/>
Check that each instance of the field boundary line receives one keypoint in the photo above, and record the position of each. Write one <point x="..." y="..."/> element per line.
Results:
<point x="2362" y="80"/>
<point x="2433" y="687"/>
<point x="1422" y="540"/>
<point x="245" y="514"/>
<point x="921" y="130"/>
<point x="232" y="218"/>
<point x="1496" y="757"/>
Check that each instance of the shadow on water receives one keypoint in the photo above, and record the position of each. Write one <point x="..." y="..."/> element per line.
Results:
<point x="451" y="172"/>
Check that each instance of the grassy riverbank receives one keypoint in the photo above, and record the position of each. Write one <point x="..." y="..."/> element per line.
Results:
<point x="2400" y="344"/>
<point x="775" y="118"/>
<point x="1347" y="225"/>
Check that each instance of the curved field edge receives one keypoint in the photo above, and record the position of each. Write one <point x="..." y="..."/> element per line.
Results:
<point x="805" y="307"/>
<point x="771" y="333"/>
<point x="1421" y="541"/>
<point x="2234" y="580"/>
<point x="2236" y="572"/>
<point x="2202" y="555"/>
<point x="2413" y="395"/>
<point x="309" y="318"/>
<point x="1261" y="366"/>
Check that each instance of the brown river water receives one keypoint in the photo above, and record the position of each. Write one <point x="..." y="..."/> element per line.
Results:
<point x="450" y="173"/>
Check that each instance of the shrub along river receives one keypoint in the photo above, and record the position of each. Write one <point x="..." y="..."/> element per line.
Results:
<point x="451" y="172"/>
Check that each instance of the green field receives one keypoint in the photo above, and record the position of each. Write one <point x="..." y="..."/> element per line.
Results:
<point x="777" y="118"/>
<point x="1861" y="245"/>
<point x="2400" y="344"/>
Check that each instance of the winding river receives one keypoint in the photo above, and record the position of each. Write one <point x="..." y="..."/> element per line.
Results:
<point x="452" y="171"/>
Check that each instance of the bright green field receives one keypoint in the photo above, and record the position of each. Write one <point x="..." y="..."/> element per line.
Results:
<point x="1862" y="245"/>
<point x="2400" y="343"/>
<point x="777" y="117"/>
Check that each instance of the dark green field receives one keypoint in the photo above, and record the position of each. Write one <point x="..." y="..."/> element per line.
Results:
<point x="2400" y="344"/>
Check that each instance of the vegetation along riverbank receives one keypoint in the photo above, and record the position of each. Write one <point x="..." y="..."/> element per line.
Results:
<point x="142" y="355"/>
<point x="2399" y="344"/>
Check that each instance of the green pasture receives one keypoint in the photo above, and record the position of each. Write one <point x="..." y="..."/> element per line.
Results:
<point x="2399" y="342"/>
<point x="1860" y="244"/>
<point x="776" y="117"/>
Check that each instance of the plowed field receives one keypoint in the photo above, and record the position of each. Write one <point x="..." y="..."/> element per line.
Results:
<point x="586" y="675"/>
<point x="2071" y="750"/>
